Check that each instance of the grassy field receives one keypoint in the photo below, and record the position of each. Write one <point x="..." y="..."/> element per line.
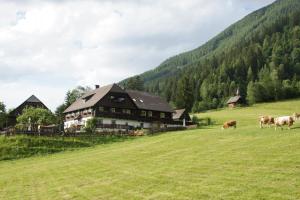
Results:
<point x="21" y="146"/>
<point x="207" y="163"/>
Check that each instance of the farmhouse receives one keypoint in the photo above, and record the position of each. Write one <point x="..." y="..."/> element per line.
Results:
<point x="117" y="108"/>
<point x="32" y="101"/>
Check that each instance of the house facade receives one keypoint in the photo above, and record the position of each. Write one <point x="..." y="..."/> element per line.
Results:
<point x="117" y="108"/>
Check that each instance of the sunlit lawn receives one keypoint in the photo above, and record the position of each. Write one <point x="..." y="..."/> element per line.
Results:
<point x="208" y="163"/>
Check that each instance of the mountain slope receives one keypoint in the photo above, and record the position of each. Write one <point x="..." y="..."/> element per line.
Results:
<point x="249" y="33"/>
<point x="242" y="30"/>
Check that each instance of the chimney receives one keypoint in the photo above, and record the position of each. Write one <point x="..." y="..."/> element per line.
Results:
<point x="97" y="86"/>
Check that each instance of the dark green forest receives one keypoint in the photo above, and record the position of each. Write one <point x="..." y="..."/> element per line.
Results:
<point x="259" y="55"/>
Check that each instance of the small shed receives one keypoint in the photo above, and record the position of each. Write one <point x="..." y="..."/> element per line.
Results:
<point x="233" y="101"/>
<point x="181" y="115"/>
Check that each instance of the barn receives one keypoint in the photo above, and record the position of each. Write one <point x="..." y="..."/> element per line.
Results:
<point x="234" y="101"/>
<point x="32" y="101"/>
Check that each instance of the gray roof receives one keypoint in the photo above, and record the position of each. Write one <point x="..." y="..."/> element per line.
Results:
<point x="234" y="99"/>
<point x="142" y="100"/>
<point x="34" y="99"/>
<point x="178" y="113"/>
<point x="31" y="100"/>
<point x="94" y="97"/>
<point x="146" y="101"/>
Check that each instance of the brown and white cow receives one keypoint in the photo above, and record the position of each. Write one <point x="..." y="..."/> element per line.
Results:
<point x="266" y="120"/>
<point x="231" y="123"/>
<point x="285" y="120"/>
<point x="296" y="116"/>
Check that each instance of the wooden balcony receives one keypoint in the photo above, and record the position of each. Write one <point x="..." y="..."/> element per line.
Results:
<point x="132" y="116"/>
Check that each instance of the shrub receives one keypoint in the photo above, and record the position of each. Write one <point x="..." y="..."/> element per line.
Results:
<point x="195" y="120"/>
<point x="91" y="125"/>
<point x="202" y="121"/>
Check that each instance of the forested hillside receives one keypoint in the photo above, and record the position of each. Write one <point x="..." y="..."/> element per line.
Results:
<point x="260" y="55"/>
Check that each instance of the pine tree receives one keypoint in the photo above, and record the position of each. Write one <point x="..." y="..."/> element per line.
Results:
<point x="184" y="98"/>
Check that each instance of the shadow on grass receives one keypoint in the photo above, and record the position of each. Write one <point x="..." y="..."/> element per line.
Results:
<point x="21" y="146"/>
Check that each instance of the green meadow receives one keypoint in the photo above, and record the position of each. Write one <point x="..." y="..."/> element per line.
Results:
<point x="206" y="163"/>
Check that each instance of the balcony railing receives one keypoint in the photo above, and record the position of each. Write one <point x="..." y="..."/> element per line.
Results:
<point x="114" y="126"/>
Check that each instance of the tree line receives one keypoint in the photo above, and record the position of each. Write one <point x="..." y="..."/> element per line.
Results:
<point x="264" y="67"/>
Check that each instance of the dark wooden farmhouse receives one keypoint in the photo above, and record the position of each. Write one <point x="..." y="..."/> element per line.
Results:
<point x="182" y="116"/>
<point x="118" y="108"/>
<point x="32" y="101"/>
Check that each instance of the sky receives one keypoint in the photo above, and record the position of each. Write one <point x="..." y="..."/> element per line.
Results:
<point x="48" y="47"/>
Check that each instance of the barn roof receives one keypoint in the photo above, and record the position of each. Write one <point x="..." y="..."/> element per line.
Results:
<point x="34" y="99"/>
<point x="146" y="101"/>
<point x="90" y="98"/>
<point x="234" y="99"/>
<point x="31" y="100"/>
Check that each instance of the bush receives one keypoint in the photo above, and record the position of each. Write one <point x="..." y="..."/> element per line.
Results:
<point x="195" y="120"/>
<point x="202" y="121"/>
<point x="91" y="125"/>
<point x="206" y="121"/>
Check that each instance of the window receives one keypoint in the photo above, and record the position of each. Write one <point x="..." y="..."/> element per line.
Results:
<point x="113" y="110"/>
<point x="126" y="111"/>
<point x="99" y="122"/>
<point x="101" y="109"/>
<point x="143" y="113"/>
<point x="86" y="98"/>
<point x="120" y="99"/>
<point x="149" y="113"/>
<point x="113" y="123"/>
<point x="162" y="115"/>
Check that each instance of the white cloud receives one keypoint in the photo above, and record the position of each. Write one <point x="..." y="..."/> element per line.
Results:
<point x="48" y="47"/>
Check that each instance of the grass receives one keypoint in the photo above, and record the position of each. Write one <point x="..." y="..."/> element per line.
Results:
<point x="21" y="146"/>
<point x="208" y="163"/>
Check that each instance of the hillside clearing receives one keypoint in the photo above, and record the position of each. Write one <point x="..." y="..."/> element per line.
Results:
<point x="208" y="163"/>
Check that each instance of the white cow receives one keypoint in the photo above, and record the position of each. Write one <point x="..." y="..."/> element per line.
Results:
<point x="285" y="120"/>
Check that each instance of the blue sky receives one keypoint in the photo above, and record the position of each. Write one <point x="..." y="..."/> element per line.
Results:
<point x="48" y="47"/>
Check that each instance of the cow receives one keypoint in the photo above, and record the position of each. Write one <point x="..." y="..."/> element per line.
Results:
<point x="296" y="116"/>
<point x="228" y="124"/>
<point x="266" y="120"/>
<point x="285" y="120"/>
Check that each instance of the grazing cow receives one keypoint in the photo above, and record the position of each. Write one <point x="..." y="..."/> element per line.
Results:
<point x="266" y="120"/>
<point x="285" y="120"/>
<point x="228" y="124"/>
<point x="296" y="116"/>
